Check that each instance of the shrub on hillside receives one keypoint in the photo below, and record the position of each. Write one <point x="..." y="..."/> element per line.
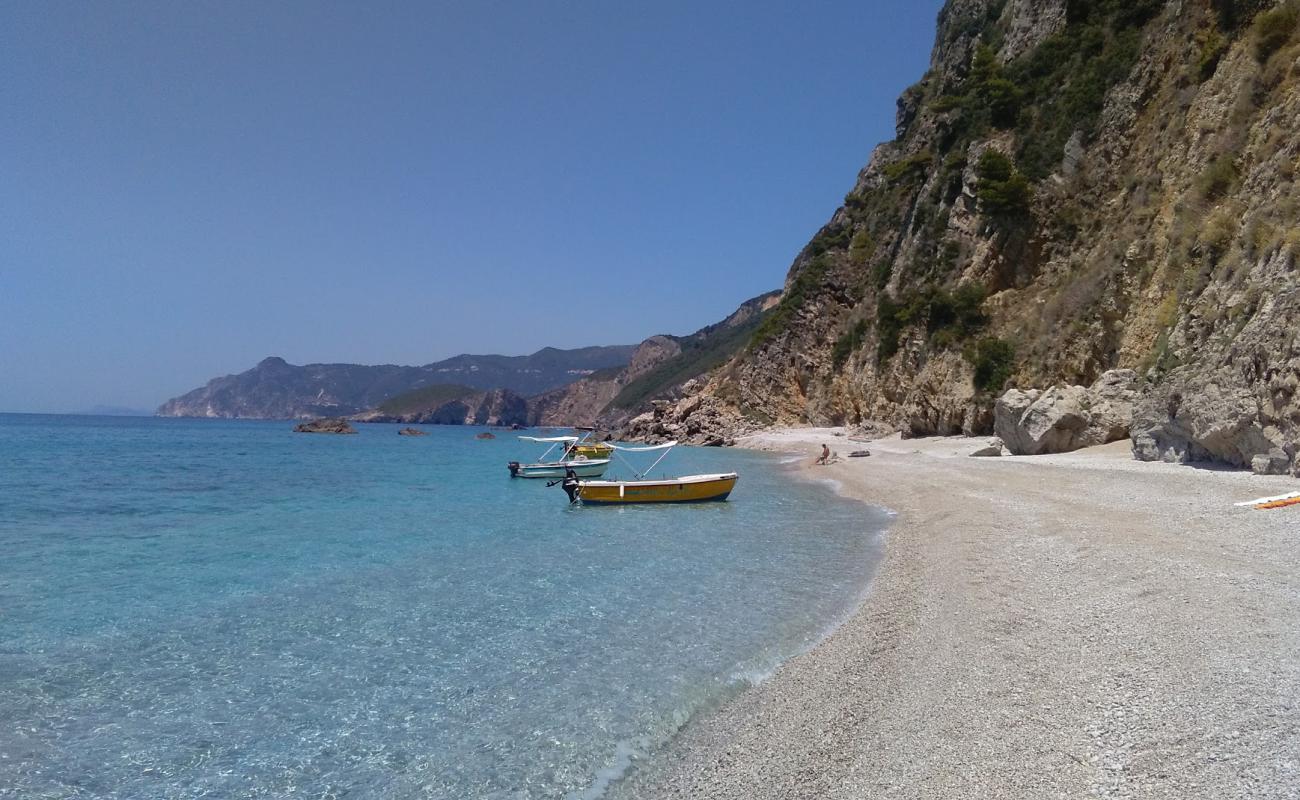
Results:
<point x="1274" y="28"/>
<point x="1218" y="178"/>
<point x="908" y="166"/>
<point x="848" y="344"/>
<point x="1003" y="191"/>
<point x="949" y="317"/>
<point x="994" y="361"/>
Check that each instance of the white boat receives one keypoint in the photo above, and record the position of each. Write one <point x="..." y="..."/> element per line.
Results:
<point x="579" y="464"/>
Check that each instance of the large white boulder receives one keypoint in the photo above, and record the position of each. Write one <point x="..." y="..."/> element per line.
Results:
<point x="1065" y="418"/>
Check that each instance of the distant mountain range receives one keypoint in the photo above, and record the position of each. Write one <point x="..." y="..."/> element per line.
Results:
<point x="601" y="386"/>
<point x="276" y="389"/>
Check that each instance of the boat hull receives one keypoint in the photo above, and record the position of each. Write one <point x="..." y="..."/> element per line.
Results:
<point x="587" y="468"/>
<point x="689" y="489"/>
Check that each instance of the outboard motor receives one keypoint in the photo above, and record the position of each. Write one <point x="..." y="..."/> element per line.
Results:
<point x="513" y="466"/>
<point x="571" y="484"/>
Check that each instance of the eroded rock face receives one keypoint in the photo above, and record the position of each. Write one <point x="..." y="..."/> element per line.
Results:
<point x="326" y="425"/>
<point x="1208" y="422"/>
<point x="1065" y="418"/>
<point x="698" y="418"/>
<point x="1162" y="238"/>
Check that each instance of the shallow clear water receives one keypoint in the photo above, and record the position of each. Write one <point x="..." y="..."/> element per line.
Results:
<point x="199" y="608"/>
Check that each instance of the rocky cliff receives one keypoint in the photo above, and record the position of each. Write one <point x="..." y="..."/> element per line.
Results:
<point x="658" y="369"/>
<point x="1074" y="187"/>
<point x="449" y="404"/>
<point x="275" y="389"/>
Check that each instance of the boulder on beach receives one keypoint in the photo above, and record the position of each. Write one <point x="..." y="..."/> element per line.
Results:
<point x="485" y="435"/>
<point x="1211" y="421"/>
<point x="325" y="425"/>
<point x="412" y="432"/>
<point x="993" y="448"/>
<point x="1065" y="418"/>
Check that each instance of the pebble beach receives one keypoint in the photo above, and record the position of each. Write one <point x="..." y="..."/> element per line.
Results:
<point x="1064" y="626"/>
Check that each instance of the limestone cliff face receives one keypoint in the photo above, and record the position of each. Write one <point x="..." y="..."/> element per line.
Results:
<point x="658" y="369"/>
<point x="583" y="402"/>
<point x="460" y="407"/>
<point x="1074" y="187"/>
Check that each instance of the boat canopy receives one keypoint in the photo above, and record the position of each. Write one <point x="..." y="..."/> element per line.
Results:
<point x="646" y="449"/>
<point x="549" y="439"/>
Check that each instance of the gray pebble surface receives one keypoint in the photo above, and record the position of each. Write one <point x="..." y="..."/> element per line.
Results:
<point x="1065" y="626"/>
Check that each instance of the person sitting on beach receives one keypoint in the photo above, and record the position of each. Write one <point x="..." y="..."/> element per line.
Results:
<point x="825" y="457"/>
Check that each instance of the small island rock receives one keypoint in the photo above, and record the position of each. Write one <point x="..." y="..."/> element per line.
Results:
<point x="325" y="425"/>
<point x="412" y="432"/>
<point x="485" y="435"/>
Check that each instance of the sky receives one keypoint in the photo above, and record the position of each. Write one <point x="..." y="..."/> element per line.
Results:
<point x="187" y="188"/>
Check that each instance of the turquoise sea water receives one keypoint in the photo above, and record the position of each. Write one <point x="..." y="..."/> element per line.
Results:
<point x="199" y="608"/>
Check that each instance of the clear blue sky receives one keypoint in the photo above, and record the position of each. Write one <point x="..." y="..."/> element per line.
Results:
<point x="189" y="187"/>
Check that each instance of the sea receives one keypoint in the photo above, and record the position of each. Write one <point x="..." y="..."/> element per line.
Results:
<point x="228" y="609"/>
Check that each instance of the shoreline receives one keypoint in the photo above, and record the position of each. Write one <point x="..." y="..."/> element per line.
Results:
<point x="1069" y="625"/>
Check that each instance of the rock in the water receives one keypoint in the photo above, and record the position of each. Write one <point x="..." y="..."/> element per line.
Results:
<point x="485" y="435"/>
<point x="1065" y="418"/>
<point x="993" y="448"/>
<point x="412" y="432"/>
<point x="326" y="425"/>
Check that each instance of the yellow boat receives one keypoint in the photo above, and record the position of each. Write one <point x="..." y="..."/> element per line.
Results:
<point x="686" y="489"/>
<point x="591" y="450"/>
<point x="586" y="447"/>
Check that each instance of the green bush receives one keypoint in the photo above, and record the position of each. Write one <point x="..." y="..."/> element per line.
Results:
<point x="1232" y="13"/>
<point x="948" y="317"/>
<point x="1065" y="79"/>
<point x="1212" y="46"/>
<point x="1273" y="29"/>
<point x="1219" y="177"/>
<point x="908" y="167"/>
<point x="862" y="247"/>
<point x="830" y="238"/>
<point x="955" y="316"/>
<point x="1003" y="192"/>
<point x="848" y="344"/>
<point x="994" y="361"/>
<point x="800" y="291"/>
<point x="881" y="272"/>
<point x="991" y="92"/>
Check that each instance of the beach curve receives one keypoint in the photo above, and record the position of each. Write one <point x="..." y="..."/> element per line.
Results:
<point x="1076" y="625"/>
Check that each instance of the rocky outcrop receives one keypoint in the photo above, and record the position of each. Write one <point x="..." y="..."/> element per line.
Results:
<point x="697" y="418"/>
<point x="1199" y="421"/>
<point x="1065" y="418"/>
<point x="658" y="369"/>
<point x="584" y="402"/>
<point x="412" y="432"/>
<point x="327" y="425"/>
